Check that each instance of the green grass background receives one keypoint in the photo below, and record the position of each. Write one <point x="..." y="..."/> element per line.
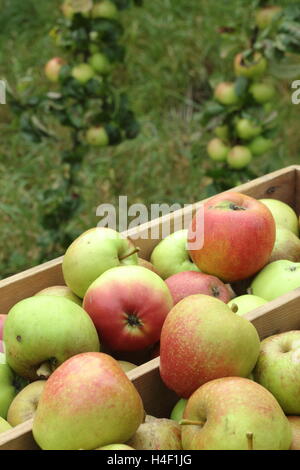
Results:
<point x="173" y="50"/>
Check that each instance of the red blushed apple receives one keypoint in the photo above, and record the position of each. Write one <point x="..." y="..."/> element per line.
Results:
<point x="128" y="306"/>
<point x="187" y="283"/>
<point x="2" y="321"/>
<point x="239" y="236"/>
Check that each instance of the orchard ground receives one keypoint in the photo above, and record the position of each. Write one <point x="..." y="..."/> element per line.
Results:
<point x="172" y="52"/>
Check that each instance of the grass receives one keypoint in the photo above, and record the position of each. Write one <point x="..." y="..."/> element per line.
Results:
<point x="173" y="52"/>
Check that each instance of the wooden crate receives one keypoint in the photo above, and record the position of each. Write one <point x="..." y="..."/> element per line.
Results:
<point x="282" y="314"/>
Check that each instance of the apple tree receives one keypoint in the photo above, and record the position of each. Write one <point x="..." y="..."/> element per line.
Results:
<point x="83" y="98"/>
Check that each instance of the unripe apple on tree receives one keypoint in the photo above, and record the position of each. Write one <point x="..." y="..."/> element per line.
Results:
<point x="97" y="137"/>
<point x="225" y="94"/>
<point x="105" y="9"/>
<point x="239" y="157"/>
<point x="260" y="145"/>
<point x="247" y="129"/>
<point x="53" y="67"/>
<point x="262" y="92"/>
<point x="252" y="69"/>
<point x="83" y="73"/>
<point x="217" y="150"/>
<point x="222" y="132"/>
<point x="266" y="16"/>
<point x="100" y="63"/>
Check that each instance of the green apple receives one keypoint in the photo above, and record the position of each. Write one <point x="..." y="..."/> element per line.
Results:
<point x="105" y="9"/>
<point x="116" y="447"/>
<point x="250" y="68"/>
<point x="222" y="132"/>
<point x="93" y="253"/>
<point x="295" y="424"/>
<point x="239" y="157"/>
<point x="97" y="137"/>
<point x="262" y="92"/>
<point x="266" y="16"/>
<point x="276" y="279"/>
<point x="24" y="405"/>
<point x="53" y="67"/>
<point x="170" y="256"/>
<point x="100" y="63"/>
<point x="201" y="340"/>
<point x="247" y="129"/>
<point x="234" y="413"/>
<point x="83" y="73"/>
<point x="42" y="332"/>
<point x="225" y="94"/>
<point x="287" y="246"/>
<point x="178" y="410"/>
<point x="157" y="434"/>
<point x="278" y="369"/>
<point x="245" y="303"/>
<point x="87" y="403"/>
<point x="283" y="214"/>
<point x="61" y="291"/>
<point x="127" y="366"/>
<point x="260" y="145"/>
<point x="217" y="150"/>
<point x="4" y="425"/>
<point x="7" y="388"/>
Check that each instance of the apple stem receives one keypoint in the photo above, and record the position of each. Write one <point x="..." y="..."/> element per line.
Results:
<point x="250" y="440"/>
<point x="44" y="371"/>
<point x="234" y="308"/>
<point x="189" y="422"/>
<point x="136" y="250"/>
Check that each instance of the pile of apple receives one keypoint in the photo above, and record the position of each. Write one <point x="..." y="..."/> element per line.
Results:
<point x="234" y="392"/>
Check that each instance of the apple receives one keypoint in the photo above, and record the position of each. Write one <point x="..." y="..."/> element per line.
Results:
<point x="234" y="414"/>
<point x="239" y="157"/>
<point x="188" y="283"/>
<point x="2" y="321"/>
<point x="116" y="447"/>
<point x="41" y="332"/>
<point x="262" y="92"/>
<point x="7" y="388"/>
<point x="287" y="246"/>
<point x="276" y="279"/>
<point x="245" y="303"/>
<point x="247" y="129"/>
<point x="295" y="424"/>
<point x="83" y="73"/>
<point x="126" y="366"/>
<point x="53" y="67"/>
<point x="253" y="68"/>
<point x="105" y="9"/>
<point x="236" y="227"/>
<point x="128" y="306"/>
<point x="93" y="253"/>
<point x="217" y="150"/>
<point x="178" y="410"/>
<point x="260" y="145"/>
<point x="201" y="340"/>
<point x="88" y="402"/>
<point x="2" y="347"/>
<point x="170" y="256"/>
<point x="222" y="132"/>
<point x="97" y="137"/>
<point x="100" y="63"/>
<point x="283" y="214"/>
<point x="146" y="264"/>
<point x="157" y="434"/>
<point x="278" y="369"/>
<point x="67" y="10"/>
<point x="61" y="291"/>
<point x="266" y="16"/>
<point x="225" y="94"/>
<point x="4" y="425"/>
<point x="24" y="405"/>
